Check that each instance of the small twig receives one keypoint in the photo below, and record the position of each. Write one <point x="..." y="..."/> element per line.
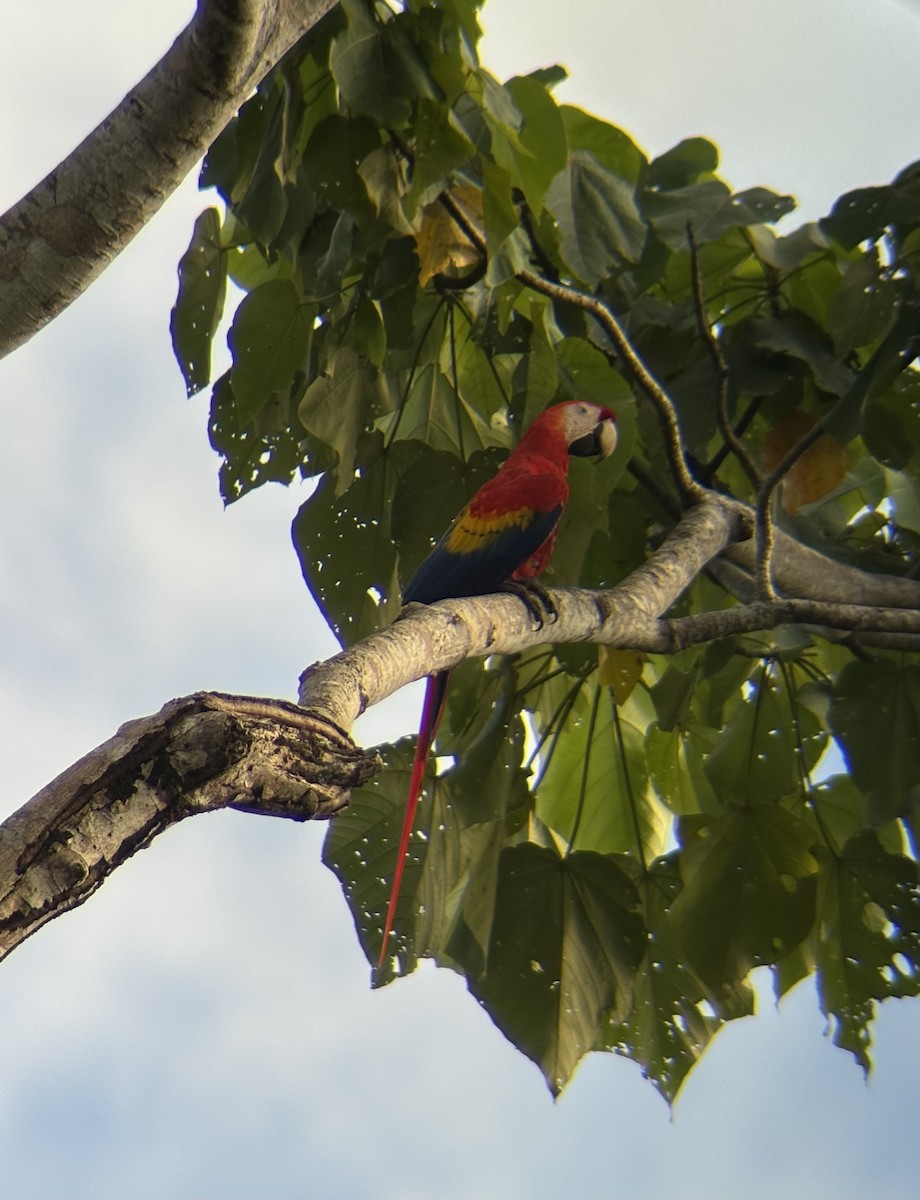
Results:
<point x="681" y="632"/>
<point x="763" y="522"/>
<point x="690" y="488"/>
<point x="740" y="429"/>
<point x="719" y="364"/>
<point x="764" y="539"/>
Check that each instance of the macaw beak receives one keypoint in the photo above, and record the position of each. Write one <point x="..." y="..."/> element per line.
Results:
<point x="599" y="443"/>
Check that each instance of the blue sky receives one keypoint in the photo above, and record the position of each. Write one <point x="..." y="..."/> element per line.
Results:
<point x="203" y="1027"/>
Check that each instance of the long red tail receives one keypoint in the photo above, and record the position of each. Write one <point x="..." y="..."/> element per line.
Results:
<point x="433" y="707"/>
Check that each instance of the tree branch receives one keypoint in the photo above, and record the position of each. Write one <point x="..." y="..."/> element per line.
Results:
<point x="201" y="753"/>
<point x="210" y="751"/>
<point x="732" y="442"/>
<point x="61" y="236"/>
<point x="431" y="638"/>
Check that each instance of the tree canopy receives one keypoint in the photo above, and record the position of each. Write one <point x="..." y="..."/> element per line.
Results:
<point x="612" y="839"/>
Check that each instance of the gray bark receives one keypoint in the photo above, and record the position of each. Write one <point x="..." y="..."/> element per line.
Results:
<point x="211" y="751"/>
<point x="57" y="239"/>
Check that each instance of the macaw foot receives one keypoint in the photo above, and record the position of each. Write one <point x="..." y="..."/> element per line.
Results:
<point x="536" y="599"/>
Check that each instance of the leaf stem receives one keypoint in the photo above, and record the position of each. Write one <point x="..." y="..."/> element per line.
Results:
<point x="585" y="766"/>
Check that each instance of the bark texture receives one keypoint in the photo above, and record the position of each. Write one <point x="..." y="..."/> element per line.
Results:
<point x="57" y="239"/>
<point x="210" y="751"/>
<point x="201" y="753"/>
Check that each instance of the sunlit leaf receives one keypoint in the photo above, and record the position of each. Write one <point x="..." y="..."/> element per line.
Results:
<point x="620" y="670"/>
<point x="595" y="792"/>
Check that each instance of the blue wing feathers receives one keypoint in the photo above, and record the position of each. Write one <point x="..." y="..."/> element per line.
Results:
<point x="446" y="572"/>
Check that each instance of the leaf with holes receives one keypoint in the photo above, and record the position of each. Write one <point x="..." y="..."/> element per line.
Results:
<point x="749" y="891"/>
<point x="566" y="941"/>
<point x="200" y="303"/>
<point x="868" y="945"/>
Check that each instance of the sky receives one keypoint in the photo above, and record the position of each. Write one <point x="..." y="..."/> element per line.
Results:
<point x="203" y="1027"/>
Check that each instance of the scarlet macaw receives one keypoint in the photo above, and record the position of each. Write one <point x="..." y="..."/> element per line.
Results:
<point x="503" y="537"/>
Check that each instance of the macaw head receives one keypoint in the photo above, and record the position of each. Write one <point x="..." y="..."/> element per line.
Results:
<point x="589" y="430"/>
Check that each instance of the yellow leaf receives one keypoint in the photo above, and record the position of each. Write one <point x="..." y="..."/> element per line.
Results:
<point x="620" y="670"/>
<point x="816" y="473"/>
<point x="441" y="243"/>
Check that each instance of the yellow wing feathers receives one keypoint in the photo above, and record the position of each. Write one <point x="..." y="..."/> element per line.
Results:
<point x="469" y="534"/>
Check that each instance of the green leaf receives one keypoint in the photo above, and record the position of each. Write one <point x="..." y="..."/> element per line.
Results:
<point x="439" y="151"/>
<point x="758" y="754"/>
<point x="253" y="453"/>
<point x="542" y="136"/>
<point x="270" y="340"/>
<point x="868" y="944"/>
<point x="710" y="209"/>
<point x="862" y="308"/>
<point x="376" y="68"/>
<point x="200" y="303"/>
<point x="360" y="848"/>
<point x="609" y="146"/>
<point x="797" y="337"/>
<point x="332" y="157"/>
<point x="672" y="1021"/>
<point x="565" y="945"/>
<point x="683" y="164"/>
<point x="601" y="227"/>
<point x="590" y="792"/>
<point x="749" y="891"/>
<point x="346" y="550"/>
<point x="875" y="715"/>
<point x="675" y="763"/>
<point x="669" y="213"/>
<point x="338" y="407"/>
<point x="866" y="213"/>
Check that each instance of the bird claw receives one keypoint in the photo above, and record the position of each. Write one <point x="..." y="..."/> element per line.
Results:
<point x="536" y="599"/>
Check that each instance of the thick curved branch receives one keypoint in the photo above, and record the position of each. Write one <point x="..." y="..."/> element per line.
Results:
<point x="432" y="638"/>
<point x="60" y="237"/>
<point x="211" y="751"/>
<point x="203" y="752"/>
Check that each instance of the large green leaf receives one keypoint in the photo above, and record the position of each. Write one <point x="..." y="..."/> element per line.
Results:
<point x="200" y="303"/>
<point x="593" y="790"/>
<point x="356" y="591"/>
<point x="270" y="340"/>
<point x="868" y="944"/>
<point x="566" y="941"/>
<point x="875" y="715"/>
<point x="672" y="1021"/>
<point x="337" y="408"/>
<point x="600" y="226"/>
<point x="377" y="69"/>
<point x="766" y="745"/>
<point x="749" y="891"/>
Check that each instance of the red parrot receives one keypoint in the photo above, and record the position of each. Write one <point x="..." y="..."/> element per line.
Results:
<point x="502" y="538"/>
